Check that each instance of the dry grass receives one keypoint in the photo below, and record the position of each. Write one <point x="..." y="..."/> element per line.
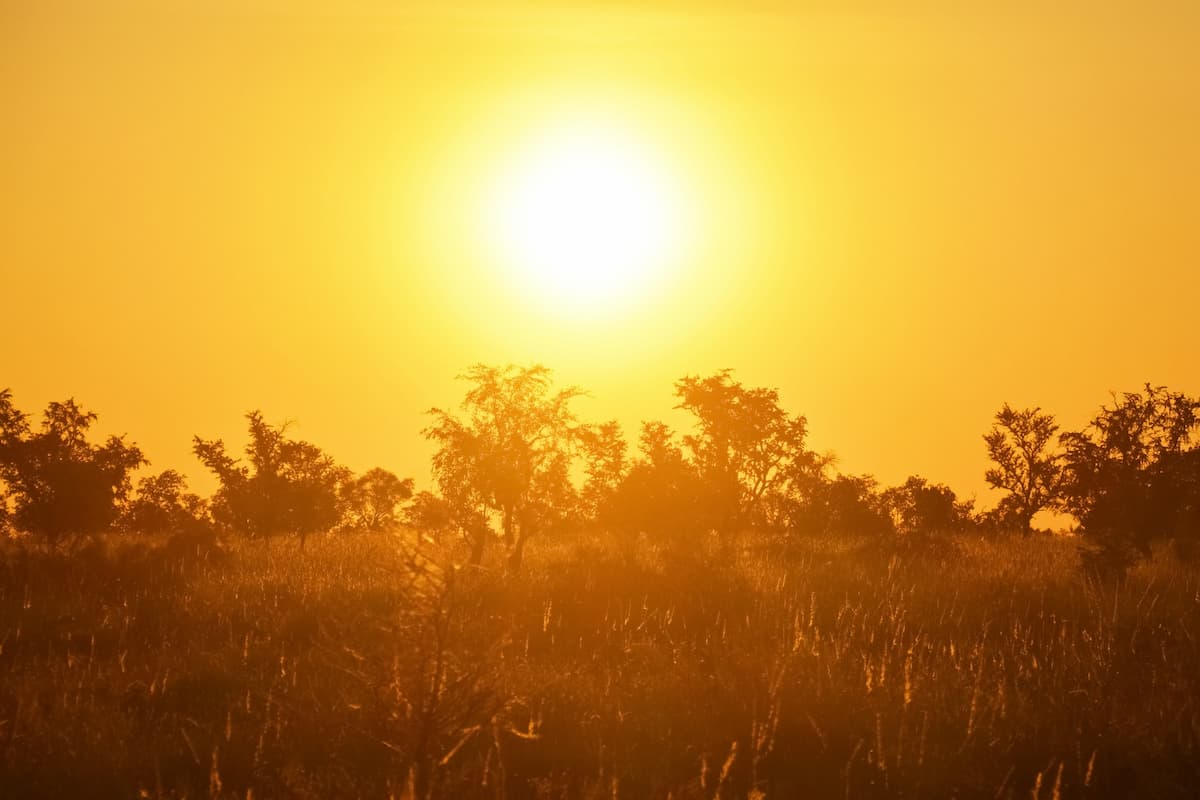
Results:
<point x="366" y="666"/>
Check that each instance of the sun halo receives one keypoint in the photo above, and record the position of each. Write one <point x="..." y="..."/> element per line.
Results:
<point x="586" y="217"/>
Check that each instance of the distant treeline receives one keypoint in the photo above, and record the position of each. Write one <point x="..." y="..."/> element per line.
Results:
<point x="515" y="463"/>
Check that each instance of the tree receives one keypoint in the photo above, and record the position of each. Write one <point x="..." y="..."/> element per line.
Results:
<point x="1026" y="464"/>
<point x="510" y="456"/>
<point x="163" y="505"/>
<point x="807" y="499"/>
<point x="372" y="500"/>
<point x="605" y="465"/>
<point x="746" y="445"/>
<point x="429" y="514"/>
<point x="662" y="493"/>
<point x="288" y="486"/>
<point x="4" y="513"/>
<point x="62" y="485"/>
<point x="919" y="507"/>
<point x="1133" y="474"/>
<point x="842" y="505"/>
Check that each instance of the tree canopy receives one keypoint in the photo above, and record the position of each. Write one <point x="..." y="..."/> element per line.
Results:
<point x="1021" y="445"/>
<point x="508" y="455"/>
<point x="62" y="485"/>
<point x="372" y="501"/>
<point x="164" y="505"/>
<point x="515" y="462"/>
<point x="1132" y="476"/>
<point x="285" y="486"/>
<point x="746" y="446"/>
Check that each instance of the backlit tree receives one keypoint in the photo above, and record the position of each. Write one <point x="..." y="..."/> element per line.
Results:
<point x="284" y="487"/>
<point x="508" y="456"/>
<point x="62" y="485"/>
<point x="1021" y="445"/>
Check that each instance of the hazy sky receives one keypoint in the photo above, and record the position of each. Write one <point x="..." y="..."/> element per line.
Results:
<point x="910" y="213"/>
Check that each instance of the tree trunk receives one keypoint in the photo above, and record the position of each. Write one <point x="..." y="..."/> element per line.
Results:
<point x="509" y="522"/>
<point x="478" y="541"/>
<point x="516" y="553"/>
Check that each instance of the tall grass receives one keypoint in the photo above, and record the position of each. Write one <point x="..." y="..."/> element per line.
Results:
<point x="373" y="666"/>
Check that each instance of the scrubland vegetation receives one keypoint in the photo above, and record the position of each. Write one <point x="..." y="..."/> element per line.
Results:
<point x="722" y="615"/>
<point x="369" y="666"/>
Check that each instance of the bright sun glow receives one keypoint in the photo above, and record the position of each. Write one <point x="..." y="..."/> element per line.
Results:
<point x="587" y="216"/>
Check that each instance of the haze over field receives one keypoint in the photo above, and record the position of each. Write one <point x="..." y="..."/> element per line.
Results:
<point x="599" y="399"/>
<point x="899" y="214"/>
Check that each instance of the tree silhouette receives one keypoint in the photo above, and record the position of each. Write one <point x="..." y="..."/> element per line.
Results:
<point x="429" y="514"/>
<point x="1133" y="474"/>
<point x="509" y="456"/>
<point x="163" y="505"/>
<point x="604" y="452"/>
<point x="662" y="493"/>
<point x="801" y="501"/>
<point x="746" y="445"/>
<point x="287" y="487"/>
<point x="919" y="507"/>
<point x="62" y="485"/>
<point x="854" y="505"/>
<point x="1026" y="465"/>
<point x="372" y="500"/>
<point x="837" y="506"/>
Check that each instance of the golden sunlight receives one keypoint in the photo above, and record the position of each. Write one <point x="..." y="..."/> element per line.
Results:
<point x="586" y="216"/>
<point x="647" y="399"/>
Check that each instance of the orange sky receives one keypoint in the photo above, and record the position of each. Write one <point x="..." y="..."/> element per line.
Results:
<point x="914" y="212"/>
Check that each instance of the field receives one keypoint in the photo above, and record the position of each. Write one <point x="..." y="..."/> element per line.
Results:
<point x="371" y="666"/>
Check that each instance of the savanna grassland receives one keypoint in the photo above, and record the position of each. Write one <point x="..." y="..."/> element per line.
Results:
<point x="378" y="665"/>
<point x="872" y="471"/>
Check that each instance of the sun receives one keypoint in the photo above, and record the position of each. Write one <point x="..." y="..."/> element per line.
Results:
<point x="587" y="216"/>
